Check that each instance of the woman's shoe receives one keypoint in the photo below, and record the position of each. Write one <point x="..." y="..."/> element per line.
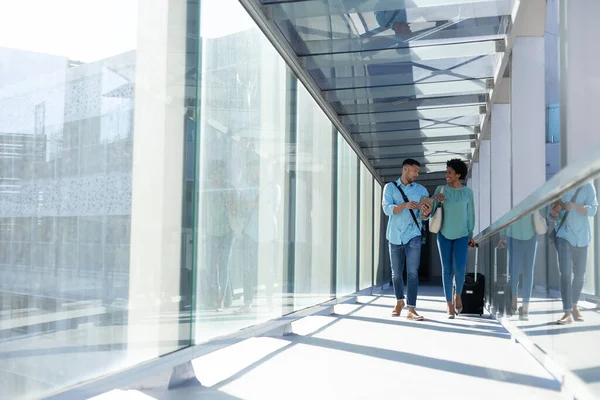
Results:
<point x="451" y="311"/>
<point x="523" y="315"/>
<point x="458" y="302"/>
<point x="577" y="315"/>
<point x="398" y="309"/>
<point x="565" y="320"/>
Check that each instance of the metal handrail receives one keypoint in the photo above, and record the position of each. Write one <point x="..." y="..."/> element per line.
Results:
<point x="574" y="175"/>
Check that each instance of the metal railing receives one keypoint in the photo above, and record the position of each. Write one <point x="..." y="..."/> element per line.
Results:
<point x="584" y="169"/>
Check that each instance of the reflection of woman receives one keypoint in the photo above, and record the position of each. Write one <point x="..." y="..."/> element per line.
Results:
<point x="521" y="239"/>
<point x="573" y="236"/>
<point x="456" y="233"/>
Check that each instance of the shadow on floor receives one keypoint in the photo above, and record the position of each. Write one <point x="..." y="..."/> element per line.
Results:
<point x="431" y="363"/>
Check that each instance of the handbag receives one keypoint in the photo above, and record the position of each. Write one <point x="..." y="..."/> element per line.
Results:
<point x="423" y="230"/>
<point x="435" y="222"/>
<point x="553" y="234"/>
<point x="539" y="223"/>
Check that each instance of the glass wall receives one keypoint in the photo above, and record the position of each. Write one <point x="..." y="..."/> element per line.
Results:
<point x="169" y="169"/>
<point x="549" y="295"/>
<point x="314" y="200"/>
<point x="243" y="175"/>
<point x="366" y="228"/>
<point x="94" y="114"/>
<point x="379" y="243"/>
<point x="347" y="219"/>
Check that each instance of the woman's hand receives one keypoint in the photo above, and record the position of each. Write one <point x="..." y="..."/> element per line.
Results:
<point x="472" y="243"/>
<point x="439" y="197"/>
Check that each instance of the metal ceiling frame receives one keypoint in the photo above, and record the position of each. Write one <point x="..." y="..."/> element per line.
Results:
<point x="259" y="13"/>
<point x="371" y="125"/>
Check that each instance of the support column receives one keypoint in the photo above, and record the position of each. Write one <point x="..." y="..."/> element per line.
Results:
<point x="485" y="189"/>
<point x="157" y="184"/>
<point x="580" y="77"/>
<point x="528" y="117"/>
<point x="500" y="154"/>
<point x="474" y="185"/>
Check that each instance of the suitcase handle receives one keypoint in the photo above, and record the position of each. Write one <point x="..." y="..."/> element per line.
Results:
<point x="476" y="261"/>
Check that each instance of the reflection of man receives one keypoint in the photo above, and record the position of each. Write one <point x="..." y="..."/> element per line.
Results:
<point x="218" y="236"/>
<point x="573" y="236"/>
<point x="397" y="20"/>
<point x="393" y="19"/>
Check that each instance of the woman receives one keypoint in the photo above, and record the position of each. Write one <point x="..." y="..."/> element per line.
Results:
<point x="456" y="233"/>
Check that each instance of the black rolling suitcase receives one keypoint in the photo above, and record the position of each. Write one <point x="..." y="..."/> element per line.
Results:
<point x="473" y="290"/>
<point x="501" y="291"/>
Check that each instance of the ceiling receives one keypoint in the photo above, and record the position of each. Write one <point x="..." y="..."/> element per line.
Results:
<point x="407" y="78"/>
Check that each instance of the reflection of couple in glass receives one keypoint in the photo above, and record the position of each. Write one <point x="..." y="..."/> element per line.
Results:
<point x="521" y="240"/>
<point x="571" y="216"/>
<point x="571" y="233"/>
<point x="261" y="201"/>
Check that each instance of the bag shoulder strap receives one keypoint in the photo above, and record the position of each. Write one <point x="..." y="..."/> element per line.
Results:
<point x="406" y="201"/>
<point x="564" y="218"/>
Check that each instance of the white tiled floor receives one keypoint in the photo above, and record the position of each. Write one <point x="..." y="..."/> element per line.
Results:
<point x="364" y="353"/>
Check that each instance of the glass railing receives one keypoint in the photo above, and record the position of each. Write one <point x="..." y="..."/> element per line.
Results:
<point x="542" y="275"/>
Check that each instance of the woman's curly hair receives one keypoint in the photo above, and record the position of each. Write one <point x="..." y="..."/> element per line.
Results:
<point x="459" y="166"/>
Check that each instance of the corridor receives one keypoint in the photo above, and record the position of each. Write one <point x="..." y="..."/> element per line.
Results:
<point x="361" y="352"/>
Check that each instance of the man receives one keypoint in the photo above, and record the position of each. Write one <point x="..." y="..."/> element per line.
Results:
<point x="404" y="234"/>
<point x="573" y="235"/>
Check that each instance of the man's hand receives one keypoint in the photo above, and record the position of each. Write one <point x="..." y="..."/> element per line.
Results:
<point x="412" y="205"/>
<point x="572" y="206"/>
<point x="426" y="208"/>
<point x="439" y="197"/>
<point x="399" y="208"/>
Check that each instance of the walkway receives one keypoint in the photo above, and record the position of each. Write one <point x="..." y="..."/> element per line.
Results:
<point x="364" y="353"/>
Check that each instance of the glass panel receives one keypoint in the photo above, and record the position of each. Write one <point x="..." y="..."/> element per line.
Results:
<point x="474" y="49"/>
<point x="398" y="104"/>
<point x="328" y="27"/>
<point x="83" y="287"/>
<point x="450" y="147"/>
<point x="314" y="194"/>
<point x="243" y="175"/>
<point x="431" y="114"/>
<point x="467" y="121"/>
<point x="366" y="227"/>
<point x="378" y="238"/>
<point x="538" y="283"/>
<point x="475" y="86"/>
<point x="347" y="209"/>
